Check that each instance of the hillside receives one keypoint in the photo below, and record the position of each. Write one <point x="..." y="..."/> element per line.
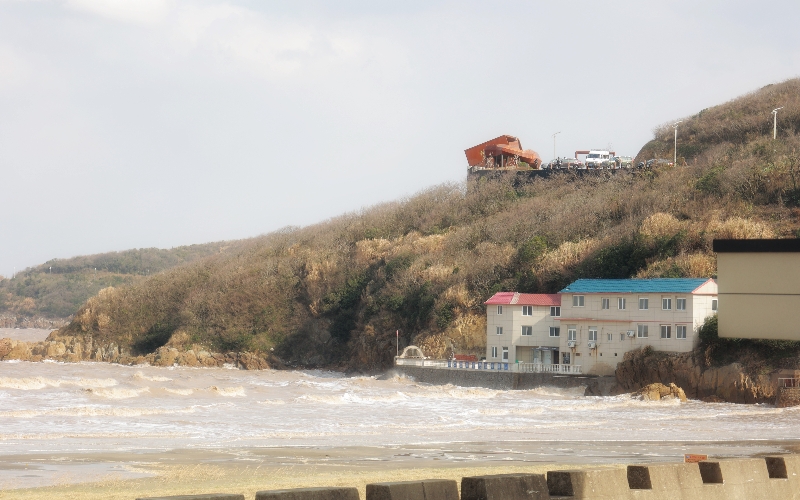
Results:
<point x="333" y="294"/>
<point x="57" y="289"/>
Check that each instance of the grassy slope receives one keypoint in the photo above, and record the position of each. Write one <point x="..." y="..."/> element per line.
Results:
<point x="58" y="288"/>
<point x="333" y="294"/>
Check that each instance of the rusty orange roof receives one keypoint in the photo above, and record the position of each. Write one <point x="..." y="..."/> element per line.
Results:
<point x="506" y="144"/>
<point x="524" y="299"/>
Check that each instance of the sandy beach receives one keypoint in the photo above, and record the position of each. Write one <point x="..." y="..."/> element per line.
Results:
<point x="188" y="479"/>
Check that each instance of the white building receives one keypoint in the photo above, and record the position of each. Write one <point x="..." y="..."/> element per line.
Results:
<point x="594" y="322"/>
<point x="523" y="327"/>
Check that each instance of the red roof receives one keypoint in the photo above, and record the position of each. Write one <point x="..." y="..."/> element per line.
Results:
<point x="525" y="299"/>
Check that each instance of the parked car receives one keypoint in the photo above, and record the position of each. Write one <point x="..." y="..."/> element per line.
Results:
<point x="563" y="163"/>
<point x="658" y="162"/>
<point x="640" y="164"/>
<point x="623" y="161"/>
<point x="599" y="159"/>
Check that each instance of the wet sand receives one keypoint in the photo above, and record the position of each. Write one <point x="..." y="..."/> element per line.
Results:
<point x="127" y="475"/>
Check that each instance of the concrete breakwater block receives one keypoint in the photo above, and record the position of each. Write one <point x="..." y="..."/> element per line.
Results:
<point x="589" y="483"/>
<point x="429" y="489"/>
<point x="309" y="494"/>
<point x="206" y="496"/>
<point x="505" y="487"/>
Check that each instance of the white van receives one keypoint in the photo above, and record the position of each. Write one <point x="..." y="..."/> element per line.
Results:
<point x="599" y="159"/>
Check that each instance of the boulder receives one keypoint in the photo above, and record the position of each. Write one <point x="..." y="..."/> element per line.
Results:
<point x="658" y="391"/>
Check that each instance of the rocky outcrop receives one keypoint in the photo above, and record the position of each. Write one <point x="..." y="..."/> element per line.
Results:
<point x="658" y="391"/>
<point x="730" y="383"/>
<point x="85" y="348"/>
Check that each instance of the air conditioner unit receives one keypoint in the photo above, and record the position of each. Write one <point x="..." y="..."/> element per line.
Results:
<point x="571" y="343"/>
<point x="592" y="345"/>
<point x="631" y="333"/>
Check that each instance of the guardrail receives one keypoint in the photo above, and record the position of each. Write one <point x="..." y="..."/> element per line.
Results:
<point x="789" y="382"/>
<point x="489" y="366"/>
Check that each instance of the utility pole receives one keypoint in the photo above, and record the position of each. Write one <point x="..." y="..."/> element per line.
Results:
<point x="675" y="156"/>
<point x="775" y="123"/>
<point x="554" y="144"/>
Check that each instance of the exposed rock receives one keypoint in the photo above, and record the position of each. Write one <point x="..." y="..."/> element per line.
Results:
<point x="729" y="383"/>
<point x="658" y="391"/>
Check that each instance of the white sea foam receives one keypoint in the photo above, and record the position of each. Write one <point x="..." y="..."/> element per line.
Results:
<point x="180" y="392"/>
<point x="228" y="392"/>
<point x="151" y="378"/>
<point x="147" y="407"/>
<point x="36" y="383"/>
<point x="118" y="392"/>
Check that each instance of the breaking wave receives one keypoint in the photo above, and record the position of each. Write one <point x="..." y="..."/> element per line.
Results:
<point x="36" y="383"/>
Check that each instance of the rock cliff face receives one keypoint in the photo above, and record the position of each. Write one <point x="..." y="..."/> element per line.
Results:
<point x="84" y="348"/>
<point x="729" y="383"/>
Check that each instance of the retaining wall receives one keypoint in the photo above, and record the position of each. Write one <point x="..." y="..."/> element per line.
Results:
<point x="503" y="380"/>
<point x="768" y="478"/>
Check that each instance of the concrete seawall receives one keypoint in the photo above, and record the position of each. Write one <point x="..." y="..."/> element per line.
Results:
<point x="502" y="380"/>
<point x="768" y="478"/>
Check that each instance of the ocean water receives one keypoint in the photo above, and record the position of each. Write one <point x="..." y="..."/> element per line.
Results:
<point x="59" y="408"/>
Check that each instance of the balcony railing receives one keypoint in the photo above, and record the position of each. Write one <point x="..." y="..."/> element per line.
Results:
<point x="788" y="382"/>
<point x="489" y="366"/>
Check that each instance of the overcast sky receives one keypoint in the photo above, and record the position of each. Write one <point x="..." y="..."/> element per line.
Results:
<point x="158" y="123"/>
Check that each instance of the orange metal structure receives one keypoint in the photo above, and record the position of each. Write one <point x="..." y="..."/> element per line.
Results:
<point x="501" y="152"/>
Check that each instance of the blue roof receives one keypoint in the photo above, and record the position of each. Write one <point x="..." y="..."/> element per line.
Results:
<point x="652" y="285"/>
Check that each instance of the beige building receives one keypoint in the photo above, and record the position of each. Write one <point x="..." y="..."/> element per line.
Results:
<point x="759" y="285"/>
<point x="592" y="323"/>
<point x="523" y="327"/>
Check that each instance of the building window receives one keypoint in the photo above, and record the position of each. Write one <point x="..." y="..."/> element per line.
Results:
<point x="555" y="311"/>
<point x="505" y="353"/>
<point x="572" y="333"/>
<point x="565" y="358"/>
<point x="592" y="334"/>
<point x="620" y="303"/>
<point x="610" y="337"/>
<point x="666" y="304"/>
<point x="621" y="337"/>
<point x="644" y="304"/>
<point x="606" y="303"/>
<point x="680" y="331"/>
<point x="713" y="304"/>
<point x="499" y="330"/>
<point x="499" y="309"/>
<point x="555" y="331"/>
<point x="641" y="331"/>
<point x="527" y="331"/>
<point x="680" y="304"/>
<point x="527" y="310"/>
<point x="494" y="351"/>
<point x="666" y="331"/>
<point x="577" y="301"/>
